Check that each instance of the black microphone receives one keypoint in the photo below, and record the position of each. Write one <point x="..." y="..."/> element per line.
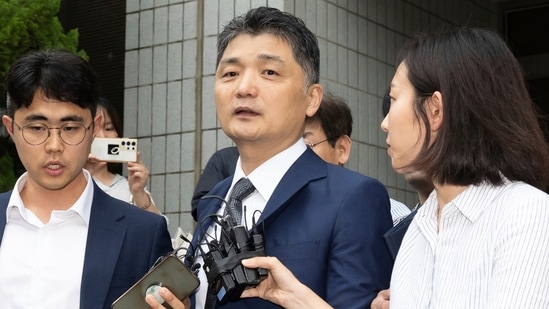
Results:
<point x="227" y="277"/>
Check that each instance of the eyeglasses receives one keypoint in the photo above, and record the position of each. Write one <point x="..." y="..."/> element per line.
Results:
<point x="311" y="145"/>
<point x="71" y="133"/>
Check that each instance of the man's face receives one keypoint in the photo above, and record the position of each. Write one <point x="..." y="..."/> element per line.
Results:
<point x="52" y="165"/>
<point x="260" y="94"/>
<point x="314" y="136"/>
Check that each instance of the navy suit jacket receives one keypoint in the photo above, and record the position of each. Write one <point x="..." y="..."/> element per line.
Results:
<point x="326" y="224"/>
<point x="123" y="243"/>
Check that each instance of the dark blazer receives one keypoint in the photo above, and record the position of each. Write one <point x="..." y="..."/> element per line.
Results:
<point x="220" y="166"/>
<point x="326" y="224"/>
<point x="394" y="236"/>
<point x="123" y="243"/>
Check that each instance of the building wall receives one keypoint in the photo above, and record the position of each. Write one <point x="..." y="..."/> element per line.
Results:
<point x="170" y="65"/>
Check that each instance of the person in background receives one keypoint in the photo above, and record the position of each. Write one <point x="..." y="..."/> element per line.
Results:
<point x="461" y="114"/>
<point x="326" y="223"/>
<point x="328" y="133"/>
<point x="220" y="166"/>
<point x="64" y="242"/>
<point x="133" y="189"/>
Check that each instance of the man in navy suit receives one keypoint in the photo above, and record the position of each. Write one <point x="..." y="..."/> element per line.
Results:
<point x="64" y="243"/>
<point x="324" y="222"/>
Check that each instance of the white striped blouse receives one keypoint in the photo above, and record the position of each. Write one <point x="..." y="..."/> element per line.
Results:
<point x="491" y="251"/>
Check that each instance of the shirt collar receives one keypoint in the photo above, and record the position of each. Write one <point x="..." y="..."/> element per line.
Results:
<point x="472" y="202"/>
<point x="82" y="206"/>
<point x="266" y="177"/>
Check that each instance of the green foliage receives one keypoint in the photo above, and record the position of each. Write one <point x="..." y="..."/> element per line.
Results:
<point x="7" y="178"/>
<point x="28" y="25"/>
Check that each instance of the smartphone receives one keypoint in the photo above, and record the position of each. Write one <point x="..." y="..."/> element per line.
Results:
<point x="115" y="149"/>
<point x="170" y="272"/>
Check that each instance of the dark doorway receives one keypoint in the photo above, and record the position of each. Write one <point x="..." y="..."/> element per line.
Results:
<point x="102" y="28"/>
<point x="102" y="34"/>
<point x="525" y="24"/>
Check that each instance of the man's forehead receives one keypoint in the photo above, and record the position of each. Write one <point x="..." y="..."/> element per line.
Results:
<point x="271" y="47"/>
<point x="52" y="111"/>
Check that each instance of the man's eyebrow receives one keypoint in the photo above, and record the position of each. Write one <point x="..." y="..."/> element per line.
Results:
<point x="73" y="118"/>
<point x="271" y="58"/>
<point x="231" y="60"/>
<point x="36" y="117"/>
<point x="265" y="57"/>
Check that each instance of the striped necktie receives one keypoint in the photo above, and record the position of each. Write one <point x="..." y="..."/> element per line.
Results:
<point x="241" y="190"/>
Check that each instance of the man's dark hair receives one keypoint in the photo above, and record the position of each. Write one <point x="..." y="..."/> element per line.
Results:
<point x="291" y="29"/>
<point x="491" y="127"/>
<point x="57" y="74"/>
<point x="334" y="116"/>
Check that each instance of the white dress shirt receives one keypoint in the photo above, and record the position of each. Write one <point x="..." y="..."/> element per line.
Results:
<point x="490" y="250"/>
<point x="119" y="188"/>
<point x="265" y="178"/>
<point x="41" y="264"/>
<point x="399" y="211"/>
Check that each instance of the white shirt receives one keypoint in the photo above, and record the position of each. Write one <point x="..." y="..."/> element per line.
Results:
<point x="41" y="264"/>
<point x="491" y="250"/>
<point x="399" y="211"/>
<point x="119" y="188"/>
<point x="265" y="178"/>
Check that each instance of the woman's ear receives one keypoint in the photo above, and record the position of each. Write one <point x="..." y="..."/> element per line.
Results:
<point x="435" y="111"/>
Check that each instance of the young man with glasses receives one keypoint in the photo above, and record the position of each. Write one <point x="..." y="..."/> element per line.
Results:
<point x="64" y="243"/>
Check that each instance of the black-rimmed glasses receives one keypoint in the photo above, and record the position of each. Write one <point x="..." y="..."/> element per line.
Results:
<point x="71" y="133"/>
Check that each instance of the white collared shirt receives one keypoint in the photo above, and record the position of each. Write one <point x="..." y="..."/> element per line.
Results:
<point x="399" y="211"/>
<point x="41" y="264"/>
<point x="265" y="179"/>
<point x="490" y="251"/>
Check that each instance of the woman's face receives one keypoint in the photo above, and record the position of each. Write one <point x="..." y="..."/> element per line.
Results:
<point x="106" y="128"/>
<point x="405" y="134"/>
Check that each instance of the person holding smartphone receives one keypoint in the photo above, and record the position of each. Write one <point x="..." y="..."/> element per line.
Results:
<point x="133" y="189"/>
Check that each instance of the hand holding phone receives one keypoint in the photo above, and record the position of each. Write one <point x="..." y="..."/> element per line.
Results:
<point x="171" y="273"/>
<point x="115" y="149"/>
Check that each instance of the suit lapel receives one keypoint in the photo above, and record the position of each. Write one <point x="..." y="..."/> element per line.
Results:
<point x="105" y="238"/>
<point x="306" y="168"/>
